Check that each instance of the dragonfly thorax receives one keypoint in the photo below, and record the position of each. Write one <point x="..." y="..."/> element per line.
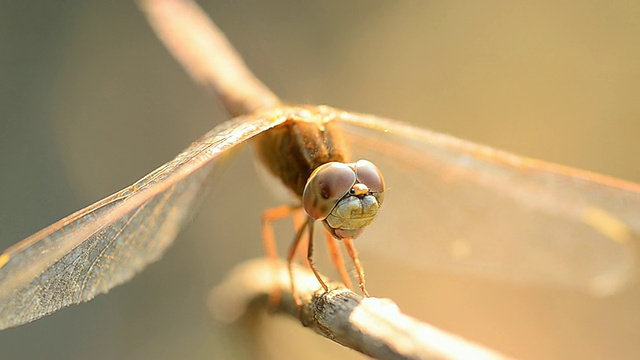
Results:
<point x="306" y="140"/>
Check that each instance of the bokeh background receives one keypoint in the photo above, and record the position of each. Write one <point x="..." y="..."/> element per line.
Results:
<point x="90" y="101"/>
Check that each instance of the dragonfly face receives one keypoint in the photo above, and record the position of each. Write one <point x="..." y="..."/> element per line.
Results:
<point x="345" y="197"/>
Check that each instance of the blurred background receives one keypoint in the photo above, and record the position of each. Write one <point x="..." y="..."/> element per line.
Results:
<point x="90" y="101"/>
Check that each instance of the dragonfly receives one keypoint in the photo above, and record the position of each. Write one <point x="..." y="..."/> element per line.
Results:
<point x="474" y="208"/>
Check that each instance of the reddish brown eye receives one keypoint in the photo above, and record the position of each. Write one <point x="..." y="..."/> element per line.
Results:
<point x="326" y="186"/>
<point x="369" y="174"/>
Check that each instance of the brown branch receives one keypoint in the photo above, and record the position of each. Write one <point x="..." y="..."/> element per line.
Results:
<point x="203" y="50"/>
<point x="372" y="326"/>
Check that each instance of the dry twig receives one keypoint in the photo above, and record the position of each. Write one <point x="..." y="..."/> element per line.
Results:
<point x="372" y="326"/>
<point x="203" y="50"/>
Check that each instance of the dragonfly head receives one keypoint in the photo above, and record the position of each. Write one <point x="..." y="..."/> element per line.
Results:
<point x="345" y="197"/>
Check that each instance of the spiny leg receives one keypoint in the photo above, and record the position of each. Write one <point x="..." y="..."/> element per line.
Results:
<point x="299" y="218"/>
<point x="269" y="243"/>
<point x="351" y="250"/>
<point x="310" y="222"/>
<point x="336" y="258"/>
<point x="290" y="255"/>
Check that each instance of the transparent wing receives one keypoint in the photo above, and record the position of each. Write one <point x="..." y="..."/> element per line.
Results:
<point x="107" y="243"/>
<point x="457" y="206"/>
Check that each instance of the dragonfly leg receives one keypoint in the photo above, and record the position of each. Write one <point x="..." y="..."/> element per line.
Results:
<point x="337" y="260"/>
<point x="299" y="218"/>
<point x="269" y="243"/>
<point x="292" y="252"/>
<point x="310" y="222"/>
<point x="351" y="250"/>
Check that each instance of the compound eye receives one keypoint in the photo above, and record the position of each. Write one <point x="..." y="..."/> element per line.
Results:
<point x="327" y="184"/>
<point x="369" y="174"/>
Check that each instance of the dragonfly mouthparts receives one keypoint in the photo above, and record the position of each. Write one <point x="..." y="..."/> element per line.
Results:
<point x="352" y="214"/>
